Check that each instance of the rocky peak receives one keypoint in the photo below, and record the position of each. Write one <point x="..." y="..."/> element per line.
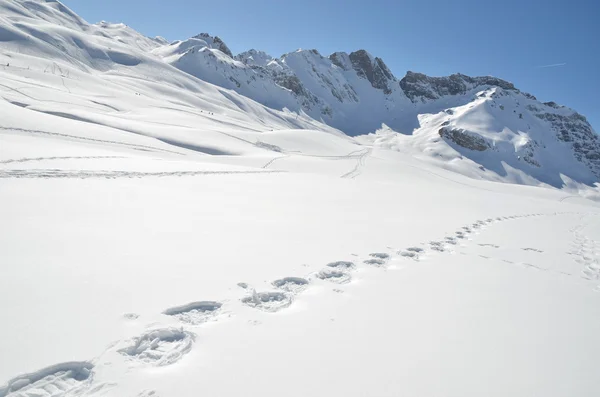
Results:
<point x="373" y="69"/>
<point x="341" y="60"/>
<point x="215" y="42"/>
<point x="254" y="58"/>
<point x="420" y="87"/>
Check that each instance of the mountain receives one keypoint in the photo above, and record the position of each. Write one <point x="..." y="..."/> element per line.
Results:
<point x="357" y="93"/>
<point x="483" y="127"/>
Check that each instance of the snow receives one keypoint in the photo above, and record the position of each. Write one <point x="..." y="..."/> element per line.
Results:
<point x="163" y="235"/>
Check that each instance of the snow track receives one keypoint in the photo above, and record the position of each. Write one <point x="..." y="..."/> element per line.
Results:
<point x="86" y="139"/>
<point x="360" y="163"/>
<point x="166" y="346"/>
<point x="26" y="160"/>
<point x="83" y="174"/>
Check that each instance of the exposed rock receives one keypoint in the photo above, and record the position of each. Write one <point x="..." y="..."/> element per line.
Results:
<point x="374" y="70"/>
<point x="291" y="82"/>
<point x="254" y="58"/>
<point x="216" y="41"/>
<point x="553" y="105"/>
<point x="341" y="60"/>
<point x="418" y="86"/>
<point x="464" y="139"/>
<point x="575" y="129"/>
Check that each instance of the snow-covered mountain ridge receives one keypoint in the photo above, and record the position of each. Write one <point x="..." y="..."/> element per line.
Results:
<point x="357" y="92"/>
<point x="496" y="131"/>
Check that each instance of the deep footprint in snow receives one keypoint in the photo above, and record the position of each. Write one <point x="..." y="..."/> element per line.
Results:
<point x="375" y="262"/>
<point x="451" y="240"/>
<point x="334" y="276"/>
<point x="160" y="347"/>
<point x="377" y="259"/>
<point x="71" y="378"/>
<point x="342" y="265"/>
<point x="437" y="246"/>
<point x="291" y="284"/>
<point x="196" y="312"/>
<point x="412" y="252"/>
<point x="460" y="235"/>
<point x="409" y="254"/>
<point x="380" y="255"/>
<point x="270" y="301"/>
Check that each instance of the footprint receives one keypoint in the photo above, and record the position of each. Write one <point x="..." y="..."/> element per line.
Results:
<point x="242" y="285"/>
<point x="377" y="259"/>
<point x="375" y="262"/>
<point x="160" y="347"/>
<point x="437" y="246"/>
<point x="412" y="252"/>
<point x="342" y="265"/>
<point x="291" y="284"/>
<point x="334" y="276"/>
<point x="451" y="240"/>
<point x="130" y="316"/>
<point x="57" y="380"/>
<point x="380" y="255"/>
<point x="196" y="312"/>
<point x="269" y="301"/>
<point x="460" y="235"/>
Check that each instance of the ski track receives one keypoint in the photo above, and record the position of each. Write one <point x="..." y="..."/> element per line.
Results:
<point x="80" y="138"/>
<point x="85" y="174"/>
<point x="357" y="170"/>
<point x="28" y="159"/>
<point x="270" y="162"/>
<point x="164" y="345"/>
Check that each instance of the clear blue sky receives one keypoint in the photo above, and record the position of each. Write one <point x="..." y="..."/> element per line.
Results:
<point x="512" y="39"/>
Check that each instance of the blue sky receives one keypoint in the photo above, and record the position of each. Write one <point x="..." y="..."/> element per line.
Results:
<point x="549" y="48"/>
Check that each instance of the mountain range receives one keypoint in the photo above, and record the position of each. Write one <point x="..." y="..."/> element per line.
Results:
<point x="505" y="133"/>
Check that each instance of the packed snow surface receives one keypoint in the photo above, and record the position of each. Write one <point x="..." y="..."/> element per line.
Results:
<point x="165" y="236"/>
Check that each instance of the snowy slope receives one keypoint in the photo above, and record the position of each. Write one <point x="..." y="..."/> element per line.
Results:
<point x="506" y="136"/>
<point x="163" y="235"/>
